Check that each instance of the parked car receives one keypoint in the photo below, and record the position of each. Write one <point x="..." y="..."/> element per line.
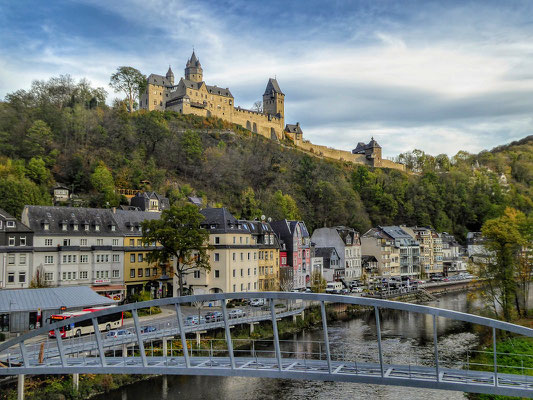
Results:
<point x="214" y="316"/>
<point x="148" y="329"/>
<point x="345" y="291"/>
<point x="257" y="302"/>
<point x="237" y="313"/>
<point x="193" y="320"/>
<point x="120" y="333"/>
<point x="436" y="278"/>
<point x="357" y="290"/>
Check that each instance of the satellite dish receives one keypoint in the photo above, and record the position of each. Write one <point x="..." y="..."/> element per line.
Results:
<point x="263" y="217"/>
<point x="269" y="219"/>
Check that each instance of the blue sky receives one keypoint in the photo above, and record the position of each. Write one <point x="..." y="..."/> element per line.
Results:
<point x="437" y="76"/>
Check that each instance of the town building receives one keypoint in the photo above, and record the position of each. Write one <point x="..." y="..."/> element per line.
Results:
<point x="431" y="256"/>
<point x="298" y="246"/>
<point x="370" y="267"/>
<point x="149" y="201"/>
<point x="455" y="260"/>
<point x="77" y="246"/>
<point x="16" y="253"/>
<point x="233" y="257"/>
<point x="267" y="254"/>
<point x="397" y="252"/>
<point x="332" y="264"/>
<point x="192" y="95"/>
<point x="347" y="243"/>
<point x="61" y="194"/>
<point x="138" y="274"/>
<point x="476" y="250"/>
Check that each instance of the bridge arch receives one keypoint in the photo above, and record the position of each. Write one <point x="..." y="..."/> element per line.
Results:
<point x="21" y="356"/>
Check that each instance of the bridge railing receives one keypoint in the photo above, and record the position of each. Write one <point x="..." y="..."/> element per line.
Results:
<point x="144" y="352"/>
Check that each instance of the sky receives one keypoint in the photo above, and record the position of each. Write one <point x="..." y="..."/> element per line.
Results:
<point x="436" y="76"/>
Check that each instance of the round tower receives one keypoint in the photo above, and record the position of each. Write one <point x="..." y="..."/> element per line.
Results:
<point x="193" y="69"/>
<point x="170" y="76"/>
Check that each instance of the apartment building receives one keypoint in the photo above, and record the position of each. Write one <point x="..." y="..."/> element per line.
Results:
<point x="234" y="257"/>
<point x="267" y="254"/>
<point x="16" y="253"/>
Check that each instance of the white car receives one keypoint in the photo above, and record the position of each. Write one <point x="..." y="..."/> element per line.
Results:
<point x="257" y="302"/>
<point x="357" y="290"/>
<point x="237" y="313"/>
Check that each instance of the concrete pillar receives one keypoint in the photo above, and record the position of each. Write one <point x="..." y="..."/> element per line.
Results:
<point x="124" y="350"/>
<point x="76" y="382"/>
<point x="294" y="318"/>
<point x="251" y="328"/>
<point x="198" y="337"/>
<point x="303" y="315"/>
<point x="164" y="389"/>
<point x="20" y="387"/>
<point x="165" y="347"/>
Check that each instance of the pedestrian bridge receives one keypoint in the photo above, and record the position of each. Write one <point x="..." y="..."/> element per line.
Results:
<point x="158" y="353"/>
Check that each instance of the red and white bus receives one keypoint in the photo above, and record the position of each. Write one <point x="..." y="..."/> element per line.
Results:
<point x="106" y="322"/>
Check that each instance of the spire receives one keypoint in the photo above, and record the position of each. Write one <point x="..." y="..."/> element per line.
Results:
<point x="169" y="72"/>
<point x="272" y="86"/>
<point x="193" y="61"/>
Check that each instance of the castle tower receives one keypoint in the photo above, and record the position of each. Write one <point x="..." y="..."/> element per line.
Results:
<point x="170" y="76"/>
<point x="274" y="99"/>
<point x="373" y="153"/>
<point x="193" y="69"/>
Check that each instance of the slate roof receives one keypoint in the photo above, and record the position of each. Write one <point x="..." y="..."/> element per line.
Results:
<point x="160" y="80"/>
<point x="325" y="252"/>
<point x="169" y="72"/>
<point x="293" y="128"/>
<point x="19" y="226"/>
<point x="220" y="220"/>
<point x="193" y="61"/>
<point x="36" y="216"/>
<point x="126" y="219"/>
<point x="142" y="200"/>
<point x="362" y="147"/>
<point x="272" y="86"/>
<point x="50" y="298"/>
<point x="210" y="89"/>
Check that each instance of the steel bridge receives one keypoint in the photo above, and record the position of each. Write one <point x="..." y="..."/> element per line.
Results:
<point x="157" y="353"/>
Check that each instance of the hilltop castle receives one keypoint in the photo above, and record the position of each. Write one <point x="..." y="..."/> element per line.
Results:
<point x="191" y="95"/>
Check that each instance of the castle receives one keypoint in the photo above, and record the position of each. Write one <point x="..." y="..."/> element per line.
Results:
<point x="191" y="95"/>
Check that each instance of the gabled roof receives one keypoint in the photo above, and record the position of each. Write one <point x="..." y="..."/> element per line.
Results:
<point x="220" y="220"/>
<point x="19" y="226"/>
<point x="272" y="86"/>
<point x="126" y="219"/>
<point x="362" y="147"/>
<point x="325" y="252"/>
<point x="293" y="128"/>
<point x="160" y="80"/>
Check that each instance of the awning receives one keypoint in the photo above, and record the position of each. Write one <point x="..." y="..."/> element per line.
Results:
<point x="108" y="288"/>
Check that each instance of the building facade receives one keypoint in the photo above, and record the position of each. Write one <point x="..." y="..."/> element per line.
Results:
<point x="16" y="253"/>
<point x="298" y="246"/>
<point x="347" y="243"/>
<point x="267" y="255"/>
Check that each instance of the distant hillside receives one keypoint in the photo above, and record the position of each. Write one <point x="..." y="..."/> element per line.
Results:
<point x="79" y="142"/>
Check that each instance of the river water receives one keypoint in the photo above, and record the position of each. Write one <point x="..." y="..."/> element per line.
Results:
<point x="406" y="336"/>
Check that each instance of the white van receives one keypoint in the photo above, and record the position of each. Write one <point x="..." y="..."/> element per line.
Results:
<point x="333" y="287"/>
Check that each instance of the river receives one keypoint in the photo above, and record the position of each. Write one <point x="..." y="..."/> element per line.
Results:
<point x="406" y="335"/>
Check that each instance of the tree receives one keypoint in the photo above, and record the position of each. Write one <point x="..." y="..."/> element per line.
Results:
<point x="318" y="283"/>
<point x="102" y="181"/>
<point x="283" y="206"/>
<point x="249" y="205"/>
<point x="179" y="237"/>
<point x="152" y="129"/>
<point x="38" y="280"/>
<point x="258" y="106"/>
<point x="130" y="81"/>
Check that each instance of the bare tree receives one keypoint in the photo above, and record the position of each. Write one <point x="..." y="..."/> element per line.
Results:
<point x="258" y="106"/>
<point x="38" y="279"/>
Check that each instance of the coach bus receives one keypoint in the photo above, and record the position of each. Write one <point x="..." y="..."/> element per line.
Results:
<point x="106" y="322"/>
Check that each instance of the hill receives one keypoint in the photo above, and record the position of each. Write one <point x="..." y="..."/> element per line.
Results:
<point x="60" y="131"/>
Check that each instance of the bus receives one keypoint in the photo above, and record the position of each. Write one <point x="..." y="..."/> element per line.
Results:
<point x="106" y="322"/>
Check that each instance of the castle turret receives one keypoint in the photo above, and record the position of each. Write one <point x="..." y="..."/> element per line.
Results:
<point x="193" y="69"/>
<point x="274" y="99"/>
<point x="170" y="75"/>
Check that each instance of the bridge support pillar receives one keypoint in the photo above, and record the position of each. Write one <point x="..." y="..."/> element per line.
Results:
<point x="76" y="382"/>
<point x="252" y="327"/>
<point x="165" y="348"/>
<point x="303" y="315"/>
<point x="198" y="338"/>
<point x="20" y="387"/>
<point x="124" y="350"/>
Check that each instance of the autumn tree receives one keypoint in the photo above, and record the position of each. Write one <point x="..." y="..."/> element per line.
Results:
<point x="318" y="283"/>
<point x="249" y="205"/>
<point x="130" y="81"/>
<point x="179" y="238"/>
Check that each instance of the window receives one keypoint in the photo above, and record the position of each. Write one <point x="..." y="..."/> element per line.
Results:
<point x="248" y="255"/>
<point x="217" y="273"/>
<point x="140" y="257"/>
<point x="217" y="257"/>
<point x="22" y="277"/>
<point x="64" y="227"/>
<point x="234" y="273"/>
<point x="132" y="242"/>
<point x="255" y="271"/>
<point x="10" y="224"/>
<point x="140" y="272"/>
<point x="248" y="271"/>
<point x="217" y="240"/>
<point x="48" y="242"/>
<point x="74" y="275"/>
<point x="83" y="274"/>
<point x="132" y="273"/>
<point x="242" y="287"/>
<point x="154" y="271"/>
<point x="248" y="285"/>
<point x="46" y="226"/>
<point x="116" y="257"/>
<point x="99" y="242"/>
<point x="75" y="226"/>
<point x="242" y="272"/>
<point x="22" y="259"/>
<point x="11" y="259"/>
<point x="240" y="239"/>
<point x="139" y="242"/>
<point x="255" y="285"/>
<point x="234" y="257"/>
<point x="234" y="240"/>
<point x="242" y="256"/>
<point x="83" y="242"/>
<point x="234" y="288"/>
<point x="66" y="242"/>
<point x="11" y="277"/>
<point x="22" y="240"/>
<point x="132" y="258"/>
<point x="69" y="275"/>
<point x="86" y="227"/>
<point x="48" y="276"/>
<point x="196" y="274"/>
<point x="97" y="228"/>
<point x="113" y="228"/>
<point x="11" y="240"/>
<point x="116" y="273"/>
<point x="84" y="258"/>
<point x="115" y="242"/>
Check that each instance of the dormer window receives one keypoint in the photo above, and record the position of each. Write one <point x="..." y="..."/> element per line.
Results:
<point x="140" y="228"/>
<point x="46" y="226"/>
<point x="131" y="228"/>
<point x="75" y="227"/>
<point x="113" y="228"/>
<point x="10" y="224"/>
<point x="86" y="227"/>
<point x="97" y="228"/>
<point x="64" y="226"/>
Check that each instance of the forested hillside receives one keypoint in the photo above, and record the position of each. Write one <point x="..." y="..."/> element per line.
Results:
<point x="61" y="131"/>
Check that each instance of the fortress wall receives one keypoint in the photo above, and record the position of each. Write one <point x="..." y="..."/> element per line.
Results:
<point x="264" y="124"/>
<point x="391" y="164"/>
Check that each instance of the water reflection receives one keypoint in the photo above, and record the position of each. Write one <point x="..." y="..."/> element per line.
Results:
<point x="407" y="337"/>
